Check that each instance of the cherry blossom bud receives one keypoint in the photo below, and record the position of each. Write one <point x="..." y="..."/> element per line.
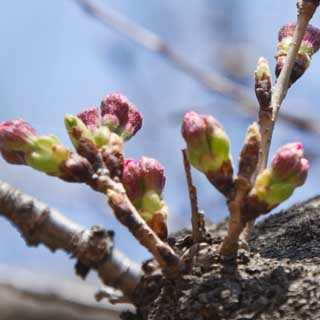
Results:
<point x="208" y="149"/>
<point x="90" y="117"/>
<point x="310" y="45"/>
<point x="16" y="138"/>
<point x="120" y="115"/>
<point x="263" y="83"/>
<point x="276" y="184"/>
<point x="249" y="154"/>
<point x="141" y="177"/>
<point x="289" y="165"/>
<point x="144" y="181"/>
<point x="77" y="130"/>
<point x="48" y="155"/>
<point x="20" y="144"/>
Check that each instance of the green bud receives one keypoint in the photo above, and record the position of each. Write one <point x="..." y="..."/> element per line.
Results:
<point x="101" y="136"/>
<point x="151" y="201"/>
<point x="208" y="149"/>
<point x="276" y="184"/>
<point x="144" y="182"/>
<point x="48" y="155"/>
<point x="271" y="190"/>
<point x="77" y="130"/>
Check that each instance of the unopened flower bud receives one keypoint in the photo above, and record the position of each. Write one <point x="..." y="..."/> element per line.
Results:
<point x="16" y="138"/>
<point x="120" y="115"/>
<point x="90" y="117"/>
<point x="77" y="130"/>
<point x="310" y="45"/>
<point x="249" y="155"/>
<point x="20" y="144"/>
<point x="263" y="83"/>
<point x="208" y="149"/>
<point x="48" y="155"/>
<point x="144" y="182"/>
<point x="289" y="165"/>
<point x="276" y="184"/>
<point x="140" y="177"/>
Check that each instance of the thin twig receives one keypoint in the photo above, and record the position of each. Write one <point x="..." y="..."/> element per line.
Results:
<point x="279" y="92"/>
<point x="127" y="214"/>
<point x="213" y="81"/>
<point x="247" y="165"/>
<point x="197" y="219"/>
<point x="39" y="224"/>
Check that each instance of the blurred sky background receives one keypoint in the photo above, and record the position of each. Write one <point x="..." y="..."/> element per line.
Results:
<point x="55" y="59"/>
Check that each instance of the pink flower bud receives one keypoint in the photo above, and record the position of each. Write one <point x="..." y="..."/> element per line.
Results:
<point x="90" y="117"/>
<point x="16" y="138"/>
<point x="16" y="135"/>
<point x="311" y="38"/>
<point x="208" y="149"/>
<point x="194" y="131"/>
<point x="144" y="182"/>
<point x="120" y="115"/>
<point x="289" y="165"/>
<point x="141" y="176"/>
<point x="310" y="45"/>
<point x="131" y="178"/>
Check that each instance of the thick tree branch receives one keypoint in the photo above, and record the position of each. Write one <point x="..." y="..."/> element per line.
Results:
<point x="213" y="81"/>
<point x="93" y="247"/>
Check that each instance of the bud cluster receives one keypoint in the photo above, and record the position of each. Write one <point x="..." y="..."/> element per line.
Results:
<point x="309" y="46"/>
<point x="91" y="134"/>
<point x="144" y="181"/>
<point x="208" y="149"/>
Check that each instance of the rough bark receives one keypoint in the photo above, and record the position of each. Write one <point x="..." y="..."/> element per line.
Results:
<point x="278" y="279"/>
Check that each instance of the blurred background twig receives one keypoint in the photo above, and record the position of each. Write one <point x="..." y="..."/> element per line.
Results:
<point x="214" y="81"/>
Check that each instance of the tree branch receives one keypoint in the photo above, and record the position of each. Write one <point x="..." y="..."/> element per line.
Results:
<point x="93" y="247"/>
<point x="213" y="81"/>
<point x="126" y="213"/>
<point x="306" y="10"/>
<point x="197" y="219"/>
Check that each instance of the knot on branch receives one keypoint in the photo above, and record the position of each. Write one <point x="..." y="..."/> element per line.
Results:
<point x="92" y="247"/>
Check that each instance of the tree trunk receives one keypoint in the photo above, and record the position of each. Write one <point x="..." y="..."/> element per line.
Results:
<point x="278" y="279"/>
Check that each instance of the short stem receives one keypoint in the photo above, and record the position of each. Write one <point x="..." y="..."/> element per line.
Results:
<point x="230" y="244"/>
<point x="197" y="219"/>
